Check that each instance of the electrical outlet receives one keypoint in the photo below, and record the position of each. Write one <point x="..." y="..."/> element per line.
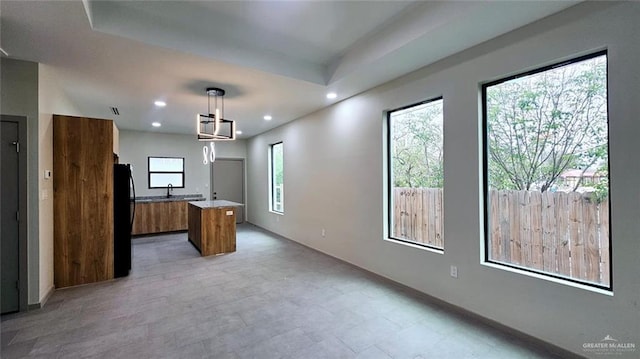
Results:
<point x="323" y="232"/>
<point x="454" y="271"/>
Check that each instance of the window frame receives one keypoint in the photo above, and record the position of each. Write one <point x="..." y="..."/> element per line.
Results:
<point x="486" y="256"/>
<point x="271" y="173"/>
<point x="149" y="172"/>
<point x="390" y="187"/>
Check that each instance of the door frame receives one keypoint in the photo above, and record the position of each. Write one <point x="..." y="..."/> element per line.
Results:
<point x="244" y="189"/>
<point x="22" y="208"/>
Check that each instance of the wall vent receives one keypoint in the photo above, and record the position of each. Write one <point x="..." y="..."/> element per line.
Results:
<point x="115" y="111"/>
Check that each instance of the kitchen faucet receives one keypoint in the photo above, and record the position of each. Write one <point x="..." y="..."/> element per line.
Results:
<point x="169" y="190"/>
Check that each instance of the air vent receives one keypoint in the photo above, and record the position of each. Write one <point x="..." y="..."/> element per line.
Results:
<point x="115" y="111"/>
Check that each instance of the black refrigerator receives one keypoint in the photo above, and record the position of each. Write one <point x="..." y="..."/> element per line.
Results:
<point x="123" y="214"/>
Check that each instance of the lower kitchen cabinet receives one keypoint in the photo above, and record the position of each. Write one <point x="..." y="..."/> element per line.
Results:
<point x="158" y="217"/>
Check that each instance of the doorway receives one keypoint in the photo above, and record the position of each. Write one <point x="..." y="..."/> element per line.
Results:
<point x="227" y="182"/>
<point x="13" y="211"/>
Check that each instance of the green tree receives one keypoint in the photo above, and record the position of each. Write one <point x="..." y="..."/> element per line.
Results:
<point x="278" y="164"/>
<point x="277" y="159"/>
<point x="541" y="125"/>
<point x="417" y="146"/>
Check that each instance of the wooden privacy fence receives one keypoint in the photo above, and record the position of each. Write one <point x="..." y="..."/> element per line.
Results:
<point x="555" y="232"/>
<point x="417" y="215"/>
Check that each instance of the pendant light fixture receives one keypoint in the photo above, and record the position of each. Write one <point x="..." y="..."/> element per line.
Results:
<point x="209" y="155"/>
<point x="213" y="126"/>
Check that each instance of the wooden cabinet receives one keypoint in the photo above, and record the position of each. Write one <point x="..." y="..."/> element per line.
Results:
<point x="116" y="140"/>
<point x="82" y="200"/>
<point x="212" y="226"/>
<point x="157" y="217"/>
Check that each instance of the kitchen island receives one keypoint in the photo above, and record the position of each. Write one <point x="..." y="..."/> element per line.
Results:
<point x="212" y="226"/>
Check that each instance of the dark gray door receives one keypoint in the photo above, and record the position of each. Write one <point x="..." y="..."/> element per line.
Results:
<point x="9" y="190"/>
<point x="227" y="182"/>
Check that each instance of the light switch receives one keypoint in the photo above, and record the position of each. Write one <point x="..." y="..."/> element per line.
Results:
<point x="47" y="174"/>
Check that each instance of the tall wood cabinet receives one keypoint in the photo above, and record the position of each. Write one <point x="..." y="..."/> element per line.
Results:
<point x="83" y="200"/>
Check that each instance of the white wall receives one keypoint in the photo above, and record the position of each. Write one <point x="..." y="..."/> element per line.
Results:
<point x="52" y="99"/>
<point x="334" y="178"/>
<point x="136" y="146"/>
<point x="31" y="89"/>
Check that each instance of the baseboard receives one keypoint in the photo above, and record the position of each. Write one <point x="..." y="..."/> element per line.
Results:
<point x="43" y="301"/>
<point x="529" y="339"/>
<point x="143" y="235"/>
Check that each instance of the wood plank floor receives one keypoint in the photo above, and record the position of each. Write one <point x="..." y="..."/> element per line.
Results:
<point x="270" y="299"/>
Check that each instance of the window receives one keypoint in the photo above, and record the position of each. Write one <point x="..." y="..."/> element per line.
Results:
<point x="546" y="164"/>
<point x="276" y="178"/>
<point x="165" y="171"/>
<point x="416" y="175"/>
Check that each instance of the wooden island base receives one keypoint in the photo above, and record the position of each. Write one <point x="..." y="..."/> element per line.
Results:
<point x="212" y="226"/>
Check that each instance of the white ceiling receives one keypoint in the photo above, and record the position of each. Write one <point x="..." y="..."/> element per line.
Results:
<point x="272" y="57"/>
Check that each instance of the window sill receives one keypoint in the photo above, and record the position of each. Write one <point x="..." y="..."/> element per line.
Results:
<point x="278" y="213"/>
<point x="417" y="246"/>
<point x="549" y="278"/>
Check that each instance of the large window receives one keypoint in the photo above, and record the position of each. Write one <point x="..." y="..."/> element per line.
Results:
<point x="165" y="171"/>
<point x="416" y="173"/>
<point x="276" y="178"/>
<point x="547" y="171"/>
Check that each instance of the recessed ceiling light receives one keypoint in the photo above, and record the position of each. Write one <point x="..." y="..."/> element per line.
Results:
<point x="238" y="132"/>
<point x="332" y="95"/>
<point x="160" y="103"/>
<point x="156" y="124"/>
<point x="268" y="117"/>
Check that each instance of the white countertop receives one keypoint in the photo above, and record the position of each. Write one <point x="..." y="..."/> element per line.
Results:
<point x="216" y="204"/>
